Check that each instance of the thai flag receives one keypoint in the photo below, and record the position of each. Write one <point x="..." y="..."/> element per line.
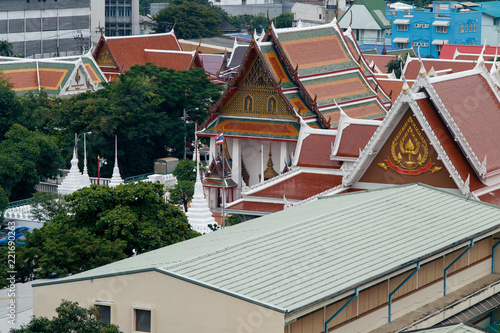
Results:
<point x="219" y="139"/>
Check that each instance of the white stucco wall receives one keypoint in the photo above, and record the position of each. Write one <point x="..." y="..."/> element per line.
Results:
<point x="176" y="305"/>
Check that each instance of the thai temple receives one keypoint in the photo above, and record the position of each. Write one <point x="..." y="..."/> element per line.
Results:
<point x="292" y="82"/>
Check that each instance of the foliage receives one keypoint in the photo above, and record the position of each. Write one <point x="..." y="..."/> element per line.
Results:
<point x="46" y="206"/>
<point x="27" y="157"/>
<point x="70" y="318"/>
<point x="5" y="48"/>
<point x="4" y="203"/>
<point x="244" y="21"/>
<point x="233" y="219"/>
<point x="144" y="108"/>
<point x="9" y="106"/>
<point x="185" y="170"/>
<point x="182" y="193"/>
<point x="100" y="225"/>
<point x="396" y="65"/>
<point x="193" y="20"/>
<point x="284" y="20"/>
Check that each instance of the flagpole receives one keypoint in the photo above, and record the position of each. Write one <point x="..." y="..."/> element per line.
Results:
<point x="223" y="180"/>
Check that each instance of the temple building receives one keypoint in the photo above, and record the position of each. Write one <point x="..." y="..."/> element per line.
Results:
<point x="115" y="55"/>
<point x="289" y="77"/>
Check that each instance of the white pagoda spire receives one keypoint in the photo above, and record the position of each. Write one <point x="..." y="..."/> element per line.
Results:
<point x="199" y="215"/>
<point x="85" y="175"/>
<point x="116" y="178"/>
<point x="73" y="181"/>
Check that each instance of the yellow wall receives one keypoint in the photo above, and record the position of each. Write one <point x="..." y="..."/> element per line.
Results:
<point x="178" y="306"/>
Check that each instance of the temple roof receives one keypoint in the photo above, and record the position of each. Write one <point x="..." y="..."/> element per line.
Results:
<point x="308" y="70"/>
<point x="438" y="66"/>
<point x="466" y="52"/>
<point x="57" y="76"/>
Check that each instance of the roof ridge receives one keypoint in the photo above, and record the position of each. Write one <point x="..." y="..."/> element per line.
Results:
<point x="398" y="189"/>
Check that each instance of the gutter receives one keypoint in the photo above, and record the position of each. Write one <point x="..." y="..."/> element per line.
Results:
<point x="453" y="262"/>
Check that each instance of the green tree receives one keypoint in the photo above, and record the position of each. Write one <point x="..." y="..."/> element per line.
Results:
<point x="27" y="157"/>
<point x="9" y="106"/>
<point x="5" y="48"/>
<point x="46" y="206"/>
<point x="193" y="20"/>
<point x="70" y="318"/>
<point x="284" y="20"/>
<point x="185" y="170"/>
<point x="182" y="193"/>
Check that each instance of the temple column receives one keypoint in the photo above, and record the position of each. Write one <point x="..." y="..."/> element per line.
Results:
<point x="212" y="150"/>
<point x="283" y="155"/>
<point x="236" y="167"/>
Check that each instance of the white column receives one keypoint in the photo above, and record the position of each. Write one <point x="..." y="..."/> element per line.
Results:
<point x="283" y="156"/>
<point x="236" y="169"/>
<point x="212" y="149"/>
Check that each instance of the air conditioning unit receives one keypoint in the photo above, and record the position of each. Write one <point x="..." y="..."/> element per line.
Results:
<point x="418" y="25"/>
<point x="425" y="25"/>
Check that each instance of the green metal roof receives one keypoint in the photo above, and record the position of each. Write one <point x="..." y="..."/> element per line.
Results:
<point x="298" y="257"/>
<point x="377" y="10"/>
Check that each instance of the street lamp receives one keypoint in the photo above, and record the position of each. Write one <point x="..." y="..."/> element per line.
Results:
<point x="184" y="117"/>
<point x="100" y="163"/>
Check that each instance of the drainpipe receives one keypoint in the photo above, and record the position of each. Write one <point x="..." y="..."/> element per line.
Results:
<point x="356" y="293"/>
<point x="493" y="258"/>
<point x="454" y="261"/>
<point x="397" y="288"/>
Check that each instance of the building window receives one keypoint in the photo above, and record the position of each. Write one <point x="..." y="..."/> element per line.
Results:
<point x="248" y="103"/>
<point x="112" y="11"/>
<point x="470" y="27"/>
<point x="121" y="11"/>
<point x="461" y="28"/>
<point x="104" y="313"/>
<point x="438" y="47"/>
<point x="106" y="11"/>
<point x="475" y="27"/>
<point x="402" y="45"/>
<point x="142" y="320"/>
<point x="402" y="27"/>
<point x="128" y="11"/>
<point x="320" y="16"/>
<point x="442" y="29"/>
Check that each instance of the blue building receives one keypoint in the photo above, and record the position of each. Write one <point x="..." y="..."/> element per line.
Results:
<point x="446" y="22"/>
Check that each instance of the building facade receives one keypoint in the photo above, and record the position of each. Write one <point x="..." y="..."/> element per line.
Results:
<point x="46" y="29"/>
<point x="122" y="17"/>
<point x="490" y="22"/>
<point x="447" y="22"/>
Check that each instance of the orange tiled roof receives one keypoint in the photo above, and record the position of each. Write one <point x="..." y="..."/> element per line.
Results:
<point x="26" y="79"/>
<point x="315" y="152"/>
<point x="174" y="60"/>
<point x="380" y="60"/>
<point x="301" y="186"/>
<point x="450" y="66"/>
<point x="247" y="127"/>
<point x="476" y="110"/>
<point x="370" y="110"/>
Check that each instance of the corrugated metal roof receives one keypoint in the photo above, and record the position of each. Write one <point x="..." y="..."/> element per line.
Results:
<point x="460" y="328"/>
<point x="474" y="311"/>
<point x="312" y="252"/>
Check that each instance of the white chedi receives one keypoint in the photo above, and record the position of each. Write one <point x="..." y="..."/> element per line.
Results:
<point x="73" y="181"/>
<point x="116" y="178"/>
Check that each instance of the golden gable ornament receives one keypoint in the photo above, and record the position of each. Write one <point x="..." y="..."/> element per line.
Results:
<point x="409" y="152"/>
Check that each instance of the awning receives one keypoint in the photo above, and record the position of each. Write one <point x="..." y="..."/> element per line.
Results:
<point x="470" y="4"/>
<point x="400" y="40"/>
<point x="401" y="21"/>
<point x="441" y="23"/>
<point x="439" y="41"/>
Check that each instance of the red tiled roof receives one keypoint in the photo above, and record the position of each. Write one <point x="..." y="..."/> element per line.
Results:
<point x="476" y="110"/>
<point x="448" y="50"/>
<point x="26" y="79"/>
<point x="413" y="67"/>
<point x="129" y="51"/>
<point x="492" y="197"/>
<point x="300" y="186"/>
<point x="172" y="60"/>
<point x="355" y="137"/>
<point x="380" y="60"/>
<point x="449" y="145"/>
<point x="396" y="86"/>
<point x="315" y="152"/>
<point x="365" y="111"/>
<point x="251" y="206"/>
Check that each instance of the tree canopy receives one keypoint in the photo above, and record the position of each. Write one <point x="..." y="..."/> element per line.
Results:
<point x="101" y="224"/>
<point x="70" y="318"/>
<point x="193" y="19"/>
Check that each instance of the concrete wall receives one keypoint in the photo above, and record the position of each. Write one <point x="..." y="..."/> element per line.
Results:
<point x="176" y="305"/>
<point x="254" y="9"/>
<point x="97" y="19"/>
<point x="490" y="31"/>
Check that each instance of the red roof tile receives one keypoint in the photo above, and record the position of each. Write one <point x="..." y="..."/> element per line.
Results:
<point x="448" y="50"/>
<point x="476" y="110"/>
<point x="250" y="206"/>
<point x="447" y="66"/>
<point x="129" y="51"/>
<point x="396" y="86"/>
<point x="355" y="137"/>
<point x="172" y="60"/>
<point x="301" y="186"/>
<point x="492" y="197"/>
<point x="315" y="152"/>
<point x="449" y="145"/>
<point x="380" y="60"/>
